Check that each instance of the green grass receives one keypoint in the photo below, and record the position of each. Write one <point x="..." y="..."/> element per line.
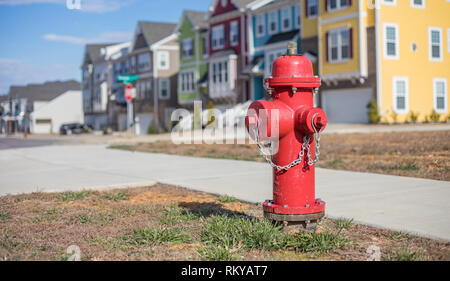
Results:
<point x="110" y="243"/>
<point x="72" y="196"/>
<point x="45" y="215"/>
<point x="407" y="167"/>
<point x="4" y="216"/>
<point x="115" y="196"/>
<point x="343" y="223"/>
<point x="159" y="235"/>
<point x="398" y="236"/>
<point x="230" y="232"/>
<point x="404" y="255"/>
<point x="173" y="215"/>
<point x="316" y="242"/>
<point x="90" y="218"/>
<point x="216" y="253"/>
<point x="227" y="199"/>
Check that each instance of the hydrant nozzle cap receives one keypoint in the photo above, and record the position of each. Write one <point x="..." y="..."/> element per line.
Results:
<point x="292" y="48"/>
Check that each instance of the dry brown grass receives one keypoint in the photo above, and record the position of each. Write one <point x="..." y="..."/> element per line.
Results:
<point x="41" y="226"/>
<point x="412" y="154"/>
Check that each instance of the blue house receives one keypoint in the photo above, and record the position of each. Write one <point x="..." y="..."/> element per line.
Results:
<point x="272" y="26"/>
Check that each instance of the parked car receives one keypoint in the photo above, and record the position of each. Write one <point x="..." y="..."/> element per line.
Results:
<point x="72" y="128"/>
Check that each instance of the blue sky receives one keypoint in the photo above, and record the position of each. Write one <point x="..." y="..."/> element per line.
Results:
<point x="43" y="40"/>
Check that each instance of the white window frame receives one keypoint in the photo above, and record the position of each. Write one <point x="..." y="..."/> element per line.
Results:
<point x="161" y="80"/>
<point x="185" y="43"/>
<point x="448" y="39"/>
<point x="445" y="110"/>
<point x="270" y="22"/>
<point x="394" y="94"/>
<point x="338" y="6"/>
<point x="268" y="63"/>
<point x="234" y="24"/>
<point x="258" y="23"/>
<point x="308" y="7"/>
<point x="215" y="31"/>
<point x="161" y="56"/>
<point x="339" y="45"/>
<point x="397" y="42"/>
<point x="430" y="44"/>
<point x="413" y="5"/>
<point x="298" y="16"/>
<point x="387" y="3"/>
<point x="289" y="18"/>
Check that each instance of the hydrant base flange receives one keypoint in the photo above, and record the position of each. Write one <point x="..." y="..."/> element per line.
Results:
<point x="296" y="222"/>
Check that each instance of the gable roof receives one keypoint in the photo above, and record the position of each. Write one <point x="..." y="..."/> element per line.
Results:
<point x="154" y="31"/>
<point x="92" y="52"/>
<point x="197" y="18"/>
<point x="240" y="4"/>
<point x="43" y="92"/>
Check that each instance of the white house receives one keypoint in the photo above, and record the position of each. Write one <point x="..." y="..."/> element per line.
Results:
<point x="48" y="117"/>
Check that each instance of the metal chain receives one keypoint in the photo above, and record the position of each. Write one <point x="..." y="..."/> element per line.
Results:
<point x="305" y="147"/>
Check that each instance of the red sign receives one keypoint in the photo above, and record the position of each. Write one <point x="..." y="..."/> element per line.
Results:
<point x="129" y="92"/>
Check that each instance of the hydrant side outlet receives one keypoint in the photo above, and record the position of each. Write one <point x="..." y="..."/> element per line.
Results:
<point x="300" y="124"/>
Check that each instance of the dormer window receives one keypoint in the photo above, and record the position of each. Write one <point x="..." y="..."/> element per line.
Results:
<point x="336" y="5"/>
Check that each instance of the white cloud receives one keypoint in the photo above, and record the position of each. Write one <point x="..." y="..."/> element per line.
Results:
<point x="106" y="37"/>
<point x="17" y="72"/>
<point x="92" y="6"/>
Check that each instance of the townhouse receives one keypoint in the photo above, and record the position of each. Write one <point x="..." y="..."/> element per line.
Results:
<point x="155" y="59"/>
<point x="193" y="41"/>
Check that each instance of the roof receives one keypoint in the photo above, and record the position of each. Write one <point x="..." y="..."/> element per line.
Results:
<point x="43" y="92"/>
<point x="280" y="37"/>
<point x="156" y="31"/>
<point x="197" y="18"/>
<point x="239" y="3"/>
<point x="93" y="52"/>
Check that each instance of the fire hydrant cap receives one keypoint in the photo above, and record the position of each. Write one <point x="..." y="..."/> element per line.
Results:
<point x="293" y="70"/>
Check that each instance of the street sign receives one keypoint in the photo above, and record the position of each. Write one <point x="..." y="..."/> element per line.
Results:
<point x="130" y="92"/>
<point x="127" y="78"/>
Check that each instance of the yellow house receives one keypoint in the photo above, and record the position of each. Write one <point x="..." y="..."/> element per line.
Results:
<point x="396" y="52"/>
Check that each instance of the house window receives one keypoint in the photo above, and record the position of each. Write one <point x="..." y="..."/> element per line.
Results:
<point x="420" y="4"/>
<point x="164" y="88"/>
<point x="234" y="33"/>
<point x="339" y="45"/>
<point x="400" y="95"/>
<point x="298" y="17"/>
<point x="148" y="89"/>
<point x="260" y="25"/>
<point x="440" y="95"/>
<point x="389" y="2"/>
<point x="220" y="72"/>
<point x="273" y="22"/>
<point x="214" y="74"/>
<point x="163" y="60"/>
<point x="270" y="58"/>
<point x="218" y="37"/>
<point x="335" y="5"/>
<point x="286" y="19"/>
<point x="187" y="48"/>
<point x="133" y="64"/>
<point x="205" y="46"/>
<point x="311" y="6"/>
<point x="144" y="62"/>
<point x="391" y="41"/>
<point x="435" y="43"/>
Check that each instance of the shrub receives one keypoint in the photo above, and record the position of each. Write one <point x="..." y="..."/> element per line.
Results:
<point x="413" y="117"/>
<point x="373" y="112"/>
<point x="151" y="130"/>
<point x="434" y="116"/>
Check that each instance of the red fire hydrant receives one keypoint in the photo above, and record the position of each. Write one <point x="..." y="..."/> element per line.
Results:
<point x="291" y="114"/>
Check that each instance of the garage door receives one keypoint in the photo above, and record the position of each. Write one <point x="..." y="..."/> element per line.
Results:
<point x="347" y="105"/>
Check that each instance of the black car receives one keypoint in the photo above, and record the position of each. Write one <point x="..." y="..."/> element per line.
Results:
<point x="73" y="128"/>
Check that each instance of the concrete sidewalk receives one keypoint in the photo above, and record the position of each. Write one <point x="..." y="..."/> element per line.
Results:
<point x="405" y="204"/>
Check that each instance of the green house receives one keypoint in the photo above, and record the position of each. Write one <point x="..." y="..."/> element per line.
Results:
<point x="193" y="39"/>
